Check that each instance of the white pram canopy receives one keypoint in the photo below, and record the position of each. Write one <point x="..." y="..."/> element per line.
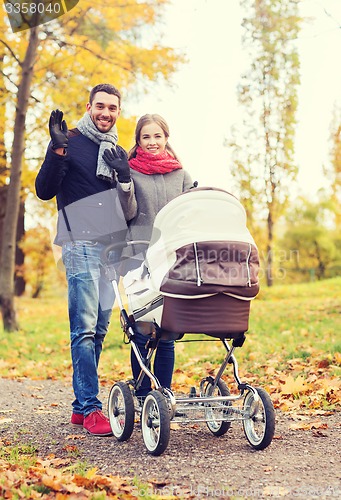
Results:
<point x="200" y="247"/>
<point x="200" y="241"/>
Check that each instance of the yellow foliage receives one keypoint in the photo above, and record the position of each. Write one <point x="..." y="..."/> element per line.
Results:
<point x="38" y="257"/>
<point x="115" y="42"/>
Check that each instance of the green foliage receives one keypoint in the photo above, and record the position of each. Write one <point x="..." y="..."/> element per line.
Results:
<point x="312" y="239"/>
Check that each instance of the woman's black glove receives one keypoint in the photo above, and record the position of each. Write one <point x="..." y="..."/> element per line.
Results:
<point x="119" y="163"/>
<point x="58" y="130"/>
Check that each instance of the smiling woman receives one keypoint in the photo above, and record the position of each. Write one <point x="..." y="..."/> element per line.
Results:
<point x="152" y="138"/>
<point x="151" y="135"/>
<point x="158" y="177"/>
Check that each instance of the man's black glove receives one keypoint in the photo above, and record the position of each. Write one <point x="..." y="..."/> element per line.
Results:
<point x="118" y="161"/>
<point x="58" y="130"/>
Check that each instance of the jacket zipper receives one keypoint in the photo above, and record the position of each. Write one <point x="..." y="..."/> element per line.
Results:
<point x="199" y="280"/>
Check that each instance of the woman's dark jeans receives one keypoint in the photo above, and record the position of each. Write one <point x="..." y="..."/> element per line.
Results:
<point x="163" y="363"/>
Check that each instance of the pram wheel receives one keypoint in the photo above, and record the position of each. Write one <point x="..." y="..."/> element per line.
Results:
<point x="259" y="424"/>
<point x="155" y="423"/>
<point x="121" y="411"/>
<point x="215" y="412"/>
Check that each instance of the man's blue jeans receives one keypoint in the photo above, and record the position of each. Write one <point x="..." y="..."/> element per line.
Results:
<point x="90" y="301"/>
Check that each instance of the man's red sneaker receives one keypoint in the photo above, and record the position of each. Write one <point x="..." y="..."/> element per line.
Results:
<point x="97" y="424"/>
<point x="77" y="419"/>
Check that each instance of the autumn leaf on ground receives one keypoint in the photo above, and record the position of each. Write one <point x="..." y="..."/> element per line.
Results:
<point x="70" y="448"/>
<point x="182" y="380"/>
<point x="337" y="358"/>
<point x="174" y="426"/>
<point x="323" y="363"/>
<point x="292" y="386"/>
<point x="53" y="462"/>
<point x="75" y="436"/>
<point x="307" y="426"/>
<point x="330" y="384"/>
<point x="319" y="433"/>
<point x="287" y="405"/>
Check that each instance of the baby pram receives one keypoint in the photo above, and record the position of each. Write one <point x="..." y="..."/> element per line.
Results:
<point x="199" y="277"/>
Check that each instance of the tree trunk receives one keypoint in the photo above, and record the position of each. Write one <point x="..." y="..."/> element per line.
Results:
<point x="269" y="260"/>
<point x="8" y="244"/>
<point x="19" y="280"/>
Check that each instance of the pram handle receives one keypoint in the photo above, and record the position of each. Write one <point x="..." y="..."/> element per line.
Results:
<point x="120" y="245"/>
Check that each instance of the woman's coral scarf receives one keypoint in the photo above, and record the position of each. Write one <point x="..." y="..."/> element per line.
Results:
<point x="149" y="164"/>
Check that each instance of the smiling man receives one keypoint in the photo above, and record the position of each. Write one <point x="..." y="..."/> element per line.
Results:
<point x="104" y="109"/>
<point x="94" y="203"/>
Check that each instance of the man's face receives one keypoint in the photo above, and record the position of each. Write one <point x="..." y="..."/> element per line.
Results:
<point x="104" y="111"/>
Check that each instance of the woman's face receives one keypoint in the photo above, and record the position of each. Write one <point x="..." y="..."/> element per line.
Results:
<point x="152" y="138"/>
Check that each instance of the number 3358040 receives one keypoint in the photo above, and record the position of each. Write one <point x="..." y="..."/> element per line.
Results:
<point x="32" y="8"/>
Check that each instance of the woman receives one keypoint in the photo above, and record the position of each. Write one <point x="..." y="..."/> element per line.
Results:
<point x="156" y="171"/>
<point x="158" y="177"/>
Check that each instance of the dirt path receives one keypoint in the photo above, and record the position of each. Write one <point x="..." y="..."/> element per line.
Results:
<point x="196" y="464"/>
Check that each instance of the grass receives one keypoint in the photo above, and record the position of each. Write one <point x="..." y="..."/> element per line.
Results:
<point x="23" y="455"/>
<point x="297" y="321"/>
<point x="293" y="336"/>
<point x="286" y="322"/>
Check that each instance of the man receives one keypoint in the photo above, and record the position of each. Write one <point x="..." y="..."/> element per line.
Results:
<point x="94" y="202"/>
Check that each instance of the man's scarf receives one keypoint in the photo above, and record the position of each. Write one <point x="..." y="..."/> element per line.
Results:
<point x="105" y="140"/>
<point x="148" y="163"/>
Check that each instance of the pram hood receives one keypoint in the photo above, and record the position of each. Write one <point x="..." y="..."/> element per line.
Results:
<point x="201" y="246"/>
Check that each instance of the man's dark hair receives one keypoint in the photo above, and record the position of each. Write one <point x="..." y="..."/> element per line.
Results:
<point x="105" y="87"/>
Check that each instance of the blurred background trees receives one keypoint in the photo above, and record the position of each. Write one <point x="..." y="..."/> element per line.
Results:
<point x="57" y="63"/>
<point x="297" y="238"/>
<point x="263" y="145"/>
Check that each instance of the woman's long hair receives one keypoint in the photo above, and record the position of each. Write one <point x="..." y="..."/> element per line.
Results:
<point x="145" y="120"/>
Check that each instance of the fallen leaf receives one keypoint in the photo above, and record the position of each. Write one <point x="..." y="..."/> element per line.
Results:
<point x="337" y="358"/>
<point x="70" y="448"/>
<point x="75" y="436"/>
<point x="319" y="434"/>
<point x="319" y="425"/>
<point x="174" y="426"/>
<point x="324" y="363"/>
<point x="292" y="386"/>
<point x="308" y="426"/>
